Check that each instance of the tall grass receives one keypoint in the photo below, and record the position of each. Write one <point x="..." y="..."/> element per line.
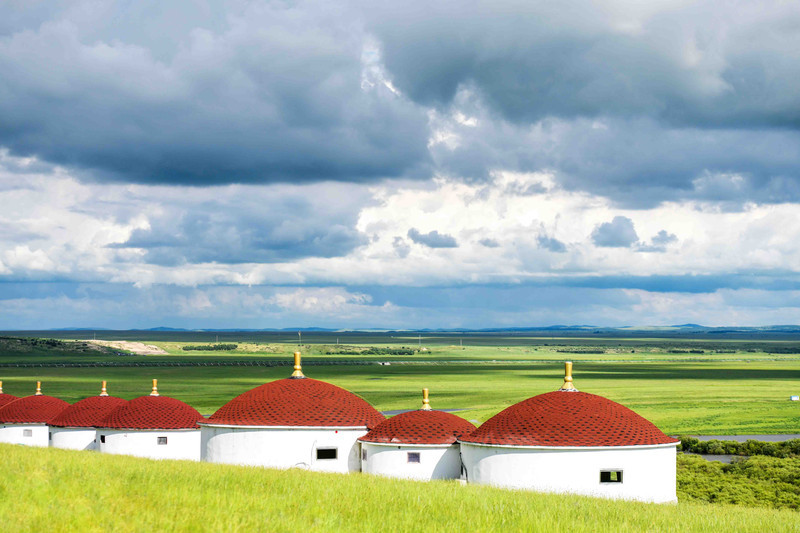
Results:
<point x="58" y="490"/>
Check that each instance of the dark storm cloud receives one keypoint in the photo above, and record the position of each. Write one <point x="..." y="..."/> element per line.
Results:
<point x="432" y="239"/>
<point x="619" y="233"/>
<point x="688" y="64"/>
<point x="191" y="93"/>
<point x="253" y="226"/>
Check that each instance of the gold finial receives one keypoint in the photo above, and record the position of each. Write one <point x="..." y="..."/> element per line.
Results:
<point x="1" y="387"/>
<point x="38" y="388"/>
<point x="568" y="386"/>
<point x="103" y="391"/>
<point x="298" y="369"/>
<point x="155" y="388"/>
<point x="426" y="403"/>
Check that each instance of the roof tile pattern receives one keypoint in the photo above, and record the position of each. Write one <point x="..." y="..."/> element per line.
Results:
<point x="7" y="398"/>
<point x="420" y="427"/>
<point x="88" y="412"/>
<point x="32" y="410"/>
<point x="297" y="402"/>
<point x="153" y="412"/>
<point x="563" y="418"/>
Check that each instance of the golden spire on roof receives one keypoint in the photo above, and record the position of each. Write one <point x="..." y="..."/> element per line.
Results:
<point x="426" y="403"/>
<point x="38" y="388"/>
<point x="568" y="386"/>
<point x="298" y="369"/>
<point x="103" y="391"/>
<point x="154" y="392"/>
<point x="1" y="387"/>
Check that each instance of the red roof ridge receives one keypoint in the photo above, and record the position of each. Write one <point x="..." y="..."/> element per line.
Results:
<point x="152" y="412"/>
<point x="568" y="418"/>
<point x="88" y="412"/>
<point x="35" y="409"/>
<point x="421" y="427"/>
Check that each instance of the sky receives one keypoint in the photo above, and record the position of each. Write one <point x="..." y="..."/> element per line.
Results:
<point x="398" y="165"/>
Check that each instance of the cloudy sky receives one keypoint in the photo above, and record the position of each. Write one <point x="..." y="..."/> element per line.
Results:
<point x="380" y="164"/>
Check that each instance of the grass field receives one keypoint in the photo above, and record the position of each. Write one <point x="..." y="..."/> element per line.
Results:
<point x="49" y="489"/>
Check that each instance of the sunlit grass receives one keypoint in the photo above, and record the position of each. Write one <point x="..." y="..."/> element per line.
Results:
<point x="59" y="490"/>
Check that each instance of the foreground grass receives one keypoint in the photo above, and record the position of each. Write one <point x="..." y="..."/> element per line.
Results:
<point x="59" y="490"/>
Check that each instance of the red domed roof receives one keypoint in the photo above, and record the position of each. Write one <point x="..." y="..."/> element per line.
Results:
<point x="37" y="409"/>
<point x="297" y="402"/>
<point x="564" y="418"/>
<point x="88" y="412"/>
<point x="152" y="412"/>
<point x="7" y="398"/>
<point x="420" y="427"/>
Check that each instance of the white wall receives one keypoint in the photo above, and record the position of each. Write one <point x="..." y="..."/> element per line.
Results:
<point x="436" y="462"/>
<point x="648" y="471"/>
<point x="282" y="447"/>
<point x="181" y="443"/>
<point x="16" y="434"/>
<point x="73" y="438"/>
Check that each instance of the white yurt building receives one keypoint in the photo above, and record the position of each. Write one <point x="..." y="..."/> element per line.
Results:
<point x="292" y="422"/>
<point x="154" y="426"/>
<point x="573" y="442"/>
<point x="6" y="398"/>
<point x="75" y="427"/>
<point x="24" y="421"/>
<point x="419" y="444"/>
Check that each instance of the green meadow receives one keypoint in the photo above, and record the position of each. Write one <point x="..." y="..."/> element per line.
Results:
<point x="725" y="390"/>
<point x="60" y="490"/>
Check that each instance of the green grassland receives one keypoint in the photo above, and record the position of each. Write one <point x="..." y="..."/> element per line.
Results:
<point x="726" y="390"/>
<point x="49" y="489"/>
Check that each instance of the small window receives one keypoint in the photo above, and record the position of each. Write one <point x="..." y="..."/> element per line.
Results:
<point x="103" y="439"/>
<point x="326" y="453"/>
<point x="413" y="457"/>
<point x="162" y="440"/>
<point x="363" y="455"/>
<point x="611" y="476"/>
<point x="50" y="436"/>
<point x="27" y="433"/>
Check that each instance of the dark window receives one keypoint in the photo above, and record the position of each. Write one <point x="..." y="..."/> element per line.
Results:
<point x="326" y="453"/>
<point x="103" y="439"/>
<point x="363" y="455"/>
<point x="162" y="440"/>
<point x="611" y="476"/>
<point x="413" y="457"/>
<point x="27" y="433"/>
<point x="50" y="436"/>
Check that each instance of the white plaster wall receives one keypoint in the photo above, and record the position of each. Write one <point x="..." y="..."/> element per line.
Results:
<point x="648" y="471"/>
<point x="435" y="462"/>
<point x="282" y="447"/>
<point x="181" y="443"/>
<point x="73" y="438"/>
<point x="15" y="434"/>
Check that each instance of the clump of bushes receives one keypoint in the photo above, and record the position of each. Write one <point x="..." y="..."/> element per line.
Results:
<point x="754" y="482"/>
<point x="212" y="347"/>
<point x="789" y="448"/>
<point x="685" y="351"/>
<point x="374" y="351"/>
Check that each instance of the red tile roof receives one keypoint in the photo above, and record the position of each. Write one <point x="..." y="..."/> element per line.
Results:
<point x="7" y="398"/>
<point x="297" y="402"/>
<point x="88" y="412"/>
<point x="420" y="427"/>
<point x="153" y="412"/>
<point x="32" y="410"/>
<point x="563" y="418"/>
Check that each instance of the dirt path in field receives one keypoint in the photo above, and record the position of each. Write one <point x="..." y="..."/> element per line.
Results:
<point x="139" y="348"/>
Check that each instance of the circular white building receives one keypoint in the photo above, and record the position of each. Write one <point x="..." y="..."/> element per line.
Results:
<point x="419" y="444"/>
<point x="573" y="442"/>
<point x="24" y="421"/>
<point x="292" y="422"/>
<point x="75" y="427"/>
<point x="156" y="427"/>
<point x="6" y="398"/>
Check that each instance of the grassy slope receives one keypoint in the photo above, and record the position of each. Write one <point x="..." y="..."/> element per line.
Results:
<point x="47" y="489"/>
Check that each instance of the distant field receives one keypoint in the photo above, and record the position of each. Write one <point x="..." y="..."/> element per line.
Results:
<point x="49" y="489"/>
